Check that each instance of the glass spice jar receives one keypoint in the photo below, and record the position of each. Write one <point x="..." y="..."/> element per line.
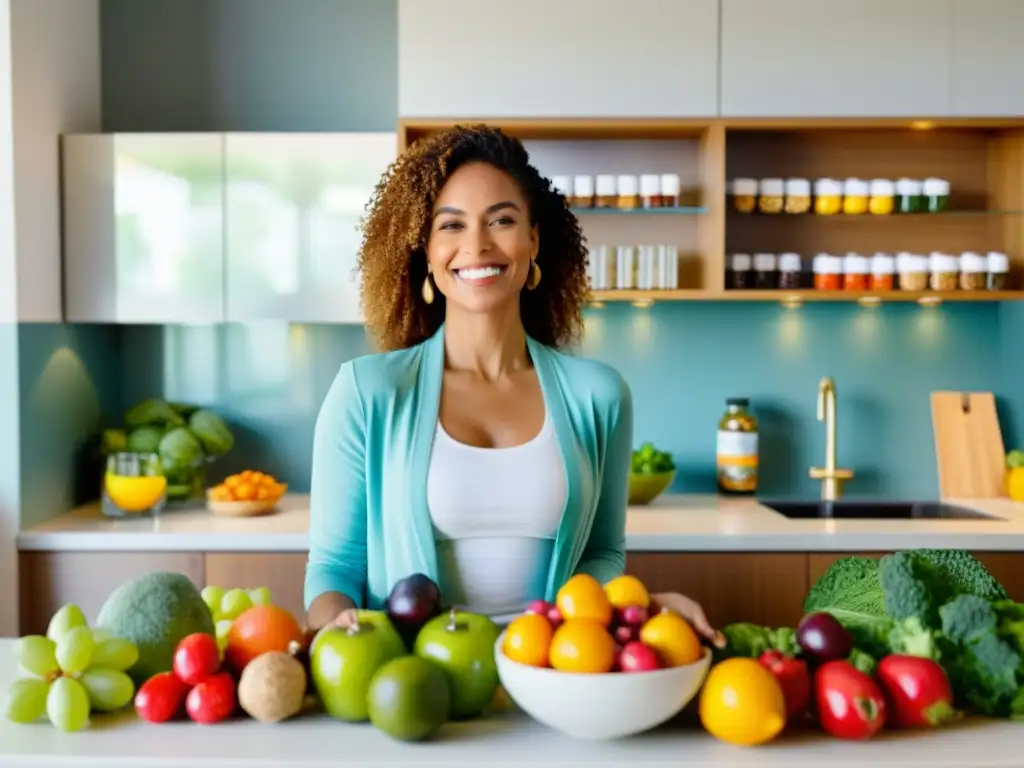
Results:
<point x="908" y="196"/>
<point x="744" y="195"/>
<point x="607" y="195"/>
<point x="935" y="195"/>
<point x="790" y="271"/>
<point x="739" y="272"/>
<point x="856" y="269"/>
<point x="998" y="271"/>
<point x="913" y="271"/>
<point x="883" y="272"/>
<point x="771" y="194"/>
<point x="945" y="269"/>
<point x="855" y="197"/>
<point x="670" y="190"/>
<point x="798" y="196"/>
<point x="627" y="193"/>
<point x="582" y="192"/>
<point x="766" y="271"/>
<point x="828" y="272"/>
<point x="881" y="202"/>
<point x="973" y="271"/>
<point x="650" y="191"/>
<point x="828" y="197"/>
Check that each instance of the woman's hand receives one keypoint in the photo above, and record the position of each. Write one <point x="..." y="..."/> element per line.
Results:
<point x="690" y="610"/>
<point x="347" y="618"/>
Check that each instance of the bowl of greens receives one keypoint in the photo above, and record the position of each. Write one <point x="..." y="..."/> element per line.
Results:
<point x="651" y="473"/>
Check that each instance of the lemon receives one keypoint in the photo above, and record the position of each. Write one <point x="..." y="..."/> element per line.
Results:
<point x="742" y="703"/>
<point x="627" y="590"/>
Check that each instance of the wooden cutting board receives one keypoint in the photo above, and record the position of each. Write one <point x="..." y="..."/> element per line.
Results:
<point x="968" y="445"/>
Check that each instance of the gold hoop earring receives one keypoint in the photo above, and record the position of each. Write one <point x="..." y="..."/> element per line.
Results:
<point x="428" y="290"/>
<point x="533" y="277"/>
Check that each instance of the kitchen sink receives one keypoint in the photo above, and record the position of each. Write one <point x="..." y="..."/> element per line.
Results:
<point x="850" y="509"/>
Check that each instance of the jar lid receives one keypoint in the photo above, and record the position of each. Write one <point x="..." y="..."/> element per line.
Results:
<point x="827" y="264"/>
<point x="911" y="262"/>
<point x="744" y="186"/>
<point x="670" y="184"/>
<point x="855" y="263"/>
<point x="764" y="262"/>
<point x="562" y="184"/>
<point x="798" y="187"/>
<point x="856" y="187"/>
<point x="627" y="185"/>
<point x="882" y="188"/>
<point x="740" y="402"/>
<point x="936" y="187"/>
<point x="583" y="186"/>
<point x="882" y="264"/>
<point x="973" y="262"/>
<point x="998" y="263"/>
<point x="606" y="185"/>
<point x="908" y="187"/>
<point x="740" y="262"/>
<point x="772" y="187"/>
<point x="650" y="185"/>
<point x="943" y="262"/>
<point x="790" y="262"/>
<point x="828" y="187"/>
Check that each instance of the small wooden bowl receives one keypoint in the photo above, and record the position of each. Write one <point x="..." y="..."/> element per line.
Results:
<point x="242" y="508"/>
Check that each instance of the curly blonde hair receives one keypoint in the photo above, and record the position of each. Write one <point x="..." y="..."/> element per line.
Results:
<point x="392" y="259"/>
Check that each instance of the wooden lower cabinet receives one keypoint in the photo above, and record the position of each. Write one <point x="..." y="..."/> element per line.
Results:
<point x="283" y="573"/>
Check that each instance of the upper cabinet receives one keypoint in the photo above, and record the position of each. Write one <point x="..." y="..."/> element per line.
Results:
<point x="837" y="58"/>
<point x="988" y="58"/>
<point x="294" y="204"/>
<point x="569" y="58"/>
<point x="143" y="228"/>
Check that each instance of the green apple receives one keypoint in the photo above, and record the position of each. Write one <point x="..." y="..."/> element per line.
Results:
<point x="343" y="661"/>
<point x="409" y="698"/>
<point x="462" y="645"/>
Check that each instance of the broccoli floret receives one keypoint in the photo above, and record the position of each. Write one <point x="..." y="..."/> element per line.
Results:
<point x="964" y="573"/>
<point x="912" y="587"/>
<point x="910" y="637"/>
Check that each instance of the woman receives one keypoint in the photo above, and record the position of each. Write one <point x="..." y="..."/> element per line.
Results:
<point x="471" y="449"/>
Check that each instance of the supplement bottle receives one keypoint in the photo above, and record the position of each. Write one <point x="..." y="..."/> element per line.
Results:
<point x="737" y="449"/>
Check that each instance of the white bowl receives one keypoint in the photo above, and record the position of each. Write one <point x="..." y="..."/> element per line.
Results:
<point x="600" y="706"/>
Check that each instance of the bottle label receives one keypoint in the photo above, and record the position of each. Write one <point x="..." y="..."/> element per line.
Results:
<point x="737" y="461"/>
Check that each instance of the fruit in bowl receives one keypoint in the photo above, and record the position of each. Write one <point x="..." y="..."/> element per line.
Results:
<point x="651" y="473"/>
<point x="245" y="494"/>
<point x="596" y="664"/>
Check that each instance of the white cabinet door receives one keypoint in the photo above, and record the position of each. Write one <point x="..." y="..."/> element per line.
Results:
<point x="294" y="205"/>
<point x="988" y="58"/>
<point x="558" y="58"/>
<point x="835" y="58"/>
<point x="143" y="228"/>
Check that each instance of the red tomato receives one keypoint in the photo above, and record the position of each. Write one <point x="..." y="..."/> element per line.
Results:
<point x="850" y="704"/>
<point x="212" y="700"/>
<point x="918" y="691"/>
<point x="159" y="699"/>
<point x="196" y="658"/>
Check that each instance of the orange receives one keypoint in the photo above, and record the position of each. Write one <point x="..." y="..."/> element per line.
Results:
<point x="672" y="638"/>
<point x="742" y="703"/>
<point x="528" y="639"/>
<point x="583" y="597"/>
<point x="627" y="590"/>
<point x="261" y="629"/>
<point x="582" y="645"/>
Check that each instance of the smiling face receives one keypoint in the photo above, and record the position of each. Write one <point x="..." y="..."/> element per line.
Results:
<point x="481" y="241"/>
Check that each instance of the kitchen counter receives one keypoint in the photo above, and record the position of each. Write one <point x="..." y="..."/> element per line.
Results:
<point x="505" y="739"/>
<point x="670" y="524"/>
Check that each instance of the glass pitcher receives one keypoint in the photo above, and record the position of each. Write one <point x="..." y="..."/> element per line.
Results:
<point x="134" y="484"/>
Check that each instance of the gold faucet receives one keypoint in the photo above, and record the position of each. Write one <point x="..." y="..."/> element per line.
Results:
<point x="831" y="476"/>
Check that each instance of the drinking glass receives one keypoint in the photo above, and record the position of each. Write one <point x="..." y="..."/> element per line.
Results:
<point x="134" y="485"/>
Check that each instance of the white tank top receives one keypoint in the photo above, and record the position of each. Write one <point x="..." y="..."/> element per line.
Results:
<point x="495" y="512"/>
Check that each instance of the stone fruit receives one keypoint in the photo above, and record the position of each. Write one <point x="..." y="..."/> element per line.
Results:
<point x="637" y="657"/>
<point x="196" y="658"/>
<point x="273" y="686"/>
<point x="742" y="703"/>
<point x="260" y="629"/>
<point x="583" y="597"/>
<point x="409" y="698"/>
<point x="672" y="638"/>
<point x="627" y="590"/>
<point x="582" y="646"/>
<point x="343" y="661"/>
<point x="160" y="698"/>
<point x="528" y="640"/>
<point x="413" y="601"/>
<point x="213" y="700"/>
<point x="462" y="645"/>
<point x="624" y="634"/>
<point x="633" y="615"/>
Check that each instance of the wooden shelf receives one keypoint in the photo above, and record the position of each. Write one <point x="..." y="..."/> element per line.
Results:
<point x="687" y="210"/>
<point x="804" y="295"/>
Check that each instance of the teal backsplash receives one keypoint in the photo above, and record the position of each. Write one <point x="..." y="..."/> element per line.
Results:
<point x="681" y="361"/>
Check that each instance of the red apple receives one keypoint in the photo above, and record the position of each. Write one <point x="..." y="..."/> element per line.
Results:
<point x="637" y="657"/>
<point x="633" y="615"/>
<point x="625" y="634"/>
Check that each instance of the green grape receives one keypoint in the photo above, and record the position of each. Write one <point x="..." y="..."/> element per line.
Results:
<point x="67" y="617"/>
<point x="113" y="653"/>
<point x="26" y="700"/>
<point x="67" y="704"/>
<point x="38" y="655"/>
<point x="108" y="689"/>
<point x="213" y="597"/>
<point x="235" y="603"/>
<point x="260" y="596"/>
<point x="223" y="627"/>
<point x="74" y="650"/>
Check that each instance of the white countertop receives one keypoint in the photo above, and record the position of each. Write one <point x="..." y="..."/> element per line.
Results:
<point x="505" y="739"/>
<point x="670" y="524"/>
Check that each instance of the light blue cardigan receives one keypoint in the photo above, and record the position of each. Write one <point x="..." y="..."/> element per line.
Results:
<point x="369" y="522"/>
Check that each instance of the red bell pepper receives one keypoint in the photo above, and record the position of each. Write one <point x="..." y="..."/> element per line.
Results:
<point x="794" y="679"/>
<point x="850" y="704"/>
<point x="918" y="691"/>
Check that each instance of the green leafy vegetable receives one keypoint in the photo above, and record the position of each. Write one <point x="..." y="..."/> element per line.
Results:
<point x="648" y="460"/>
<point x="750" y="641"/>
